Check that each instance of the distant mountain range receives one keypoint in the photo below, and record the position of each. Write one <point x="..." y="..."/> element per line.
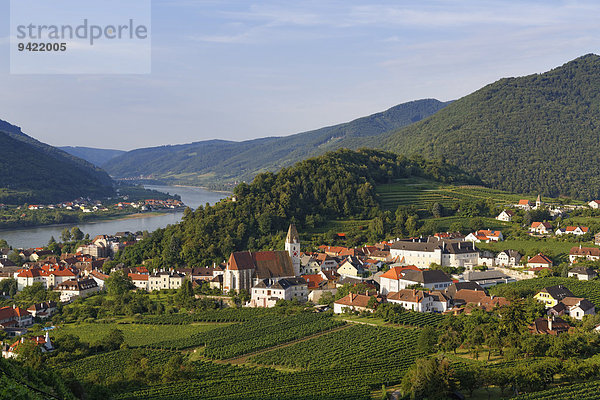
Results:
<point x="207" y="162"/>
<point x="97" y="157"/>
<point x="32" y="171"/>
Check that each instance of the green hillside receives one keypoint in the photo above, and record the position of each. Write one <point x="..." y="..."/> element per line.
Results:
<point x="225" y="161"/>
<point x="538" y="133"/>
<point x="97" y="157"/>
<point x="31" y="171"/>
<point x="336" y="186"/>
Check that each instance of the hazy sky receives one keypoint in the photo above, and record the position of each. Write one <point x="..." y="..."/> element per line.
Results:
<point x="243" y="69"/>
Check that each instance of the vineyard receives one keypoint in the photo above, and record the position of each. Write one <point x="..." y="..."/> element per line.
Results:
<point x="225" y="315"/>
<point x="134" y="334"/>
<point x="423" y="193"/>
<point x="417" y="319"/>
<point x="353" y="361"/>
<point x="381" y="354"/>
<point x="111" y="365"/>
<point x="588" y="289"/>
<point x="580" y="391"/>
<point x="256" y="334"/>
<point x="231" y="382"/>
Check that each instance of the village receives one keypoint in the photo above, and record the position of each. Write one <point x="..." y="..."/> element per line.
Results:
<point x="444" y="273"/>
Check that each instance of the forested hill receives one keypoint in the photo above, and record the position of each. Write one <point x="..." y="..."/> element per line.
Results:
<point x="32" y="171"/>
<point x="537" y="133"/>
<point x="95" y="156"/>
<point x="337" y="185"/>
<point x="202" y="163"/>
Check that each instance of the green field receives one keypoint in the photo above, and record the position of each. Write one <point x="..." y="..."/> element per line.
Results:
<point x="135" y="334"/>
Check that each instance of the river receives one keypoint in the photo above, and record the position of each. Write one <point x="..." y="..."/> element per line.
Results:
<point x="39" y="236"/>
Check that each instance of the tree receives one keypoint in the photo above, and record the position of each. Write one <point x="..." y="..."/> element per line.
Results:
<point x="29" y="353"/>
<point x="65" y="236"/>
<point x="76" y="234"/>
<point x="429" y="378"/>
<point x="4" y="244"/>
<point x="427" y="340"/>
<point x="118" y="283"/>
<point x="113" y="340"/>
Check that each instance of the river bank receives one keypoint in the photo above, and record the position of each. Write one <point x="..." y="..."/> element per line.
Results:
<point x="26" y="237"/>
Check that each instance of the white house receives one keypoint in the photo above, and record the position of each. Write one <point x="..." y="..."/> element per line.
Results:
<point x="541" y="228"/>
<point x="506" y="215"/>
<point x="442" y="252"/>
<point x="418" y="300"/>
<point x="140" y="281"/>
<point x="354" y="302"/>
<point x="539" y="261"/>
<point x="429" y="279"/>
<point x="589" y="253"/>
<point x="267" y="292"/>
<point x="508" y="258"/>
<point x="595" y="204"/>
<point x="524" y="204"/>
<point x="390" y="280"/>
<point x="485" y="236"/>
<point x="582" y="273"/>
<point x="76" y="288"/>
<point x="572" y="230"/>
<point x="164" y="280"/>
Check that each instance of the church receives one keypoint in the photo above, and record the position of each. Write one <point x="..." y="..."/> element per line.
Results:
<point x="246" y="269"/>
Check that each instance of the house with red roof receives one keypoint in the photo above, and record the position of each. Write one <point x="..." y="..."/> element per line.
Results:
<point x="390" y="280"/>
<point x="540" y="228"/>
<point x="572" y="230"/>
<point x="506" y="215"/>
<point x="525" y="204"/>
<point x="539" y="261"/>
<point x="484" y="236"/>
<point x="589" y="253"/>
<point x="354" y="302"/>
<point x="14" y="317"/>
<point x="139" y="280"/>
<point x="419" y="300"/>
<point x="43" y="342"/>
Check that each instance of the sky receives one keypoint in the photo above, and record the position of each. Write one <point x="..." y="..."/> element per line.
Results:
<point x="240" y="70"/>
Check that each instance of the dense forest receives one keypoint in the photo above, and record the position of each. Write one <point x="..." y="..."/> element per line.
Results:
<point x="31" y="171"/>
<point x="534" y="134"/>
<point x="225" y="161"/>
<point x="336" y="185"/>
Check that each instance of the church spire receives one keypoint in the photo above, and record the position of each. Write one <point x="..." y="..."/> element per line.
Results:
<point x="292" y="235"/>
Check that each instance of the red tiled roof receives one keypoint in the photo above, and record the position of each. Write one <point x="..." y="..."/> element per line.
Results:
<point x="539" y="259"/>
<point x="313" y="280"/>
<point x="138" y="277"/>
<point x="396" y="273"/>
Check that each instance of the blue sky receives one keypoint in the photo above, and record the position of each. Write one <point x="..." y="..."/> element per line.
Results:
<point x="241" y="69"/>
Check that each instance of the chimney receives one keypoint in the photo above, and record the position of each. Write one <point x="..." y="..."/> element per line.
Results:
<point x="550" y="322"/>
<point x="14" y="306"/>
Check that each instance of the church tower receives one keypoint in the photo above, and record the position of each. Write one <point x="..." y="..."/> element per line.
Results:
<point x="538" y="202"/>
<point x="292" y="246"/>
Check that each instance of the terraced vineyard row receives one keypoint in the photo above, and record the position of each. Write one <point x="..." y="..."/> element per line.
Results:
<point x="345" y="364"/>
<point x="580" y="391"/>
<point x="226" y="315"/>
<point x="383" y="354"/>
<point x="109" y="365"/>
<point x="414" y="318"/>
<point x="259" y="333"/>
<point x="231" y="382"/>
<point x="588" y="289"/>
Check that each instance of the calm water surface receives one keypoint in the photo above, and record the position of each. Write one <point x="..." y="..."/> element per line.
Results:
<point x="191" y="196"/>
